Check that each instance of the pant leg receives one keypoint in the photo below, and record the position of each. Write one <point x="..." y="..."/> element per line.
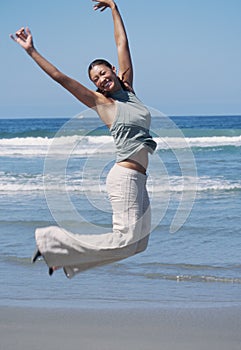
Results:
<point x="130" y="204"/>
<point x="146" y="223"/>
<point x="77" y="252"/>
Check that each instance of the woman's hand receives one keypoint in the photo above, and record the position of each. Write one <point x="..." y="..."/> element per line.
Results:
<point x="103" y="4"/>
<point x="24" y="38"/>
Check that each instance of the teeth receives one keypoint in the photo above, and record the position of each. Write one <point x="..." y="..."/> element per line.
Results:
<point x="107" y="84"/>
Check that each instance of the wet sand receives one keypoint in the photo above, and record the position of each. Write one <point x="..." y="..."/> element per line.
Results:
<point x="167" y="329"/>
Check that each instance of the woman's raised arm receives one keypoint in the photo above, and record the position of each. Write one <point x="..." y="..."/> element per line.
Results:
<point x="124" y="56"/>
<point x="88" y="97"/>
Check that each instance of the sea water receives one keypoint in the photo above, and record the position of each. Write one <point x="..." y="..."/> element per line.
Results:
<point x="53" y="172"/>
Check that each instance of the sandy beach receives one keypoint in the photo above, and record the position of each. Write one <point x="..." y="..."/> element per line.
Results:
<point x="169" y="329"/>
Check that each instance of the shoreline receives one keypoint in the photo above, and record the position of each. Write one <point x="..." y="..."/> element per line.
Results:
<point x="216" y="328"/>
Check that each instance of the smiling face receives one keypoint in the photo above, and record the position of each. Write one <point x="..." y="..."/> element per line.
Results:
<point x="104" y="78"/>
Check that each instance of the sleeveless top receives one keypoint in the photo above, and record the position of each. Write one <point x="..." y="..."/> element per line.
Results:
<point x="130" y="128"/>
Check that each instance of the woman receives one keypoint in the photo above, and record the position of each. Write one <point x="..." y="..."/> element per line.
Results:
<point x="128" y="121"/>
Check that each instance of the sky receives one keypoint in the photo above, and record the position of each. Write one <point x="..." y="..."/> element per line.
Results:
<point x="186" y="54"/>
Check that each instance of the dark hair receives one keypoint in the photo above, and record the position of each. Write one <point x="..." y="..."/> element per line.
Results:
<point x="99" y="61"/>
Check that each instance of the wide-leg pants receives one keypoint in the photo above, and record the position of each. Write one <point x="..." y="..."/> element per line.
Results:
<point x="131" y="228"/>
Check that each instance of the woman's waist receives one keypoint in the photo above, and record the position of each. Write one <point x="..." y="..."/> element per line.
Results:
<point x="133" y="164"/>
<point x="130" y="164"/>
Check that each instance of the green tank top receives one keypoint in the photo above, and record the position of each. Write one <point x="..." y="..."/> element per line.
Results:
<point x="130" y="128"/>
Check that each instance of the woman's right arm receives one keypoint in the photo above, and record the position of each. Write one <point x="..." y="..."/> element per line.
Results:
<point x="121" y="40"/>
<point x="88" y="97"/>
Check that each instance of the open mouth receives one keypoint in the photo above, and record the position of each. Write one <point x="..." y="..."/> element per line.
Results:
<point x="107" y="85"/>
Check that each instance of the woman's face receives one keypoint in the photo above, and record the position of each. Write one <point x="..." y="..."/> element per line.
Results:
<point x="105" y="78"/>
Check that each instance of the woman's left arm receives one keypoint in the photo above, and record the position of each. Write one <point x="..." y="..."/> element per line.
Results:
<point x="124" y="56"/>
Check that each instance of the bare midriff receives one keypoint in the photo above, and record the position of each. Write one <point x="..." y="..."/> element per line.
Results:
<point x="138" y="161"/>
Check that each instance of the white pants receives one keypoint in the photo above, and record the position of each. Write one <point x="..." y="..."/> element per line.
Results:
<point x="131" y="228"/>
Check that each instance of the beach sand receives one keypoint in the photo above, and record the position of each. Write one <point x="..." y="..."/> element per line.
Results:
<point x="128" y="329"/>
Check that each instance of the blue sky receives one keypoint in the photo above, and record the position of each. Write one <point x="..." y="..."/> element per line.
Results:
<point x="186" y="54"/>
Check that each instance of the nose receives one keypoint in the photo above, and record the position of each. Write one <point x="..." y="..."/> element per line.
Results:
<point x="102" y="79"/>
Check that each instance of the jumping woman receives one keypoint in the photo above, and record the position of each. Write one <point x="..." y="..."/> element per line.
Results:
<point x="128" y="120"/>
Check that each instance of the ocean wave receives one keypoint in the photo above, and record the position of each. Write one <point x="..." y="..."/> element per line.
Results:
<point x="11" y="183"/>
<point x="199" y="184"/>
<point x="198" y="142"/>
<point x="88" y="145"/>
<point x="193" y="278"/>
<point x="181" y="272"/>
<point x="170" y="272"/>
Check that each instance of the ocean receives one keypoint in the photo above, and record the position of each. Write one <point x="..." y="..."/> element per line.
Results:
<point x="53" y="172"/>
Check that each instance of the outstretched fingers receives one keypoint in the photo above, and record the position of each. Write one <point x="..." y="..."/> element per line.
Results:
<point x="20" y="34"/>
<point x="23" y="37"/>
<point x="102" y="5"/>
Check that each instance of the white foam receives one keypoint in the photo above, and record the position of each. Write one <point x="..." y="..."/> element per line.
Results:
<point x="79" y="145"/>
<point x="84" y="145"/>
<point x="14" y="183"/>
<point x="214" y="141"/>
<point x="199" y="184"/>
